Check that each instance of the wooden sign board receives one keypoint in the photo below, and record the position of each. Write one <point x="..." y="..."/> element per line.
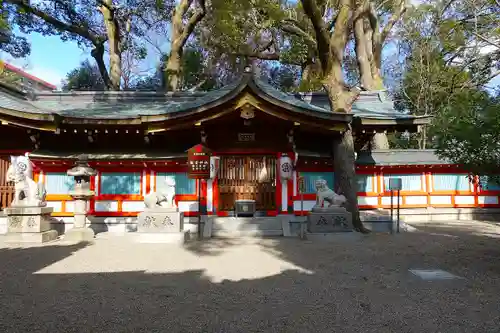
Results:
<point x="395" y="184"/>
<point x="199" y="162"/>
<point x="246" y="137"/>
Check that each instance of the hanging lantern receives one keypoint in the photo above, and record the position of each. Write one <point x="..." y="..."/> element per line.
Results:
<point x="214" y="166"/>
<point x="286" y="168"/>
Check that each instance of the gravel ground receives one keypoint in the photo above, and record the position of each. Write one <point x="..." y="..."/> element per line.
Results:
<point x="269" y="285"/>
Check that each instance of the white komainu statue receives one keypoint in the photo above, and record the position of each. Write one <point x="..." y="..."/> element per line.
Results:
<point x="27" y="192"/>
<point x="165" y="197"/>
<point x="325" y="194"/>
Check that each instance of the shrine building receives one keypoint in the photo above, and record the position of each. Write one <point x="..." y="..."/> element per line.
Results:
<point x="135" y="139"/>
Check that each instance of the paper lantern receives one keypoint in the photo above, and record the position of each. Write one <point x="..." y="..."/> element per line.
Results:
<point x="286" y="167"/>
<point x="214" y="166"/>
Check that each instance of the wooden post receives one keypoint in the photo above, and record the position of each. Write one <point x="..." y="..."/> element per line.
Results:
<point x="302" y="189"/>
<point x="199" y="208"/>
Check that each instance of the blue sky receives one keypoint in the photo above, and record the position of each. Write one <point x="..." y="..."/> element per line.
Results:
<point x="50" y="58"/>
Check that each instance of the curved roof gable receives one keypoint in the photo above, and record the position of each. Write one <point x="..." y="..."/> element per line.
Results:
<point x="148" y="106"/>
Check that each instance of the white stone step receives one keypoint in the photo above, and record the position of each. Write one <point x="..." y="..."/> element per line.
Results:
<point x="245" y="233"/>
<point x="250" y="224"/>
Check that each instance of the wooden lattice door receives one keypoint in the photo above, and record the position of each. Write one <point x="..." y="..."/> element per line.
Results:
<point x="247" y="177"/>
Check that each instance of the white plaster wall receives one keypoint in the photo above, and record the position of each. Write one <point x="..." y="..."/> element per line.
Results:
<point x="464" y="200"/>
<point x="417" y="200"/>
<point x="368" y="201"/>
<point x="295" y="183"/>
<point x="210" y="195"/>
<point x="188" y="206"/>
<point x="106" y="206"/>
<point x="132" y="206"/>
<point x="144" y="182"/>
<point x="308" y="205"/>
<point x="70" y="206"/>
<point x="152" y="180"/>
<point x="387" y="200"/>
<point x="97" y="179"/>
<point x="57" y="205"/>
<point x="284" y="195"/>
<point x="487" y="200"/>
<point x="441" y="200"/>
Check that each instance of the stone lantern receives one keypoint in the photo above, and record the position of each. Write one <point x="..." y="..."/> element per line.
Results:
<point x="81" y="194"/>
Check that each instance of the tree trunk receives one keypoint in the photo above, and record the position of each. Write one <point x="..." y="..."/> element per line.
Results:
<point x="330" y="50"/>
<point x="179" y="35"/>
<point x="379" y="141"/>
<point x="98" y="54"/>
<point x="345" y="175"/>
<point x="343" y="153"/>
<point x="113" y="33"/>
<point x="361" y="44"/>
<point x="423" y="135"/>
<point x="307" y="70"/>
<point x="172" y="80"/>
<point x="376" y="67"/>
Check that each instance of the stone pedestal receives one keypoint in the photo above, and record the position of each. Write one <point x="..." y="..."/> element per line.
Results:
<point x="79" y="232"/>
<point x="329" y="220"/>
<point x="29" y="225"/>
<point x="79" y="235"/>
<point x="161" y="225"/>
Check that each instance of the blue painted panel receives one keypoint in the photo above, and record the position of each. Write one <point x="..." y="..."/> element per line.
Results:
<point x="183" y="185"/>
<point x="311" y="177"/>
<point x="120" y="183"/>
<point x="451" y="182"/>
<point x="410" y="182"/>
<point x="365" y="183"/>
<point x="58" y="183"/>
<point x="488" y="184"/>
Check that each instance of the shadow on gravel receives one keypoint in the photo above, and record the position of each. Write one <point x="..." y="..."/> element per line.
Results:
<point x="356" y="286"/>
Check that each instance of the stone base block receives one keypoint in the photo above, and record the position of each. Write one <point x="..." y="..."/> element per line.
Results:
<point x="333" y="236"/>
<point x="36" y="237"/>
<point x="178" y="238"/>
<point x="28" y="219"/>
<point x="160" y="220"/>
<point x="329" y="221"/>
<point x="79" y="235"/>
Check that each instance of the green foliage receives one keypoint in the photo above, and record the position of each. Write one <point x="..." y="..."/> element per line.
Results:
<point x="8" y="77"/>
<point x="469" y="133"/>
<point x="16" y="46"/>
<point x="84" y="77"/>
<point x="282" y="77"/>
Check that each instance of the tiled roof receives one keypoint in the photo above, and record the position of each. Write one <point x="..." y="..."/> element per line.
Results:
<point x="288" y="98"/>
<point x="125" y="105"/>
<point x="370" y="104"/>
<point x="399" y="157"/>
<point x="132" y="105"/>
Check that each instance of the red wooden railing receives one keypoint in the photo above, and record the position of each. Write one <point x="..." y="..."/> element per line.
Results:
<point x="6" y="189"/>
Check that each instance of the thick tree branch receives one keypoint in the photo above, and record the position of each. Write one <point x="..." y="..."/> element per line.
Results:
<point x="292" y="27"/>
<point x="98" y="54"/>
<point x="396" y="15"/>
<point x="197" y="16"/>
<point x="322" y="34"/>
<point x="73" y="28"/>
